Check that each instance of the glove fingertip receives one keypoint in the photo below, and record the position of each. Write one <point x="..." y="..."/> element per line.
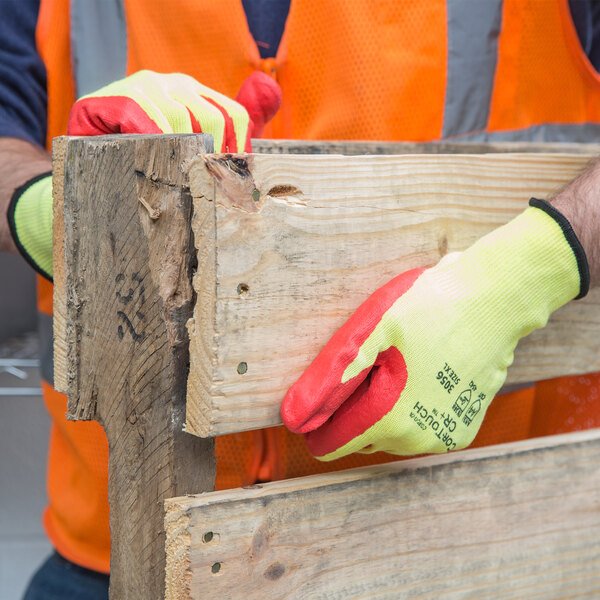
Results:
<point x="294" y="411"/>
<point x="79" y="122"/>
<point x="110" y="114"/>
<point x="261" y="97"/>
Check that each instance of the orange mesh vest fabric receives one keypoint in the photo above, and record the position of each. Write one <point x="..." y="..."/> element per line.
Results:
<point x="76" y="519"/>
<point x="543" y="75"/>
<point x="348" y="70"/>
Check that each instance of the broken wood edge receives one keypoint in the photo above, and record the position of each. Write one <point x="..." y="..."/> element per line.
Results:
<point x="177" y="547"/>
<point x="201" y="327"/>
<point x="133" y="381"/>
<point x="59" y="146"/>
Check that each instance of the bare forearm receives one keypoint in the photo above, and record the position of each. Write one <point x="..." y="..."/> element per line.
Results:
<point x="579" y="201"/>
<point x="20" y="161"/>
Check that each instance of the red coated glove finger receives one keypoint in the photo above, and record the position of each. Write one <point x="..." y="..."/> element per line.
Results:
<point x="362" y="400"/>
<point x="229" y="138"/>
<point x="149" y="102"/>
<point x="112" y="114"/>
<point x="376" y="394"/>
<point x="260" y="95"/>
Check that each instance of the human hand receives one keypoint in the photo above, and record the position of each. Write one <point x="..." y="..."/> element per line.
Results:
<point x="416" y="366"/>
<point x="148" y="102"/>
<point x="30" y="221"/>
<point x="145" y="102"/>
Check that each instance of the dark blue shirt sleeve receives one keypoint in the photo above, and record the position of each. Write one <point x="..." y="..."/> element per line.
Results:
<point x="586" y="17"/>
<point x="266" y="21"/>
<point x="23" y="109"/>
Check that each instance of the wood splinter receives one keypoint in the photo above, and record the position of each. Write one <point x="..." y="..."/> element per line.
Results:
<point x="154" y="213"/>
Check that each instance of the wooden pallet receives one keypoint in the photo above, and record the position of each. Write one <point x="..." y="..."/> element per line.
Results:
<point x="239" y="269"/>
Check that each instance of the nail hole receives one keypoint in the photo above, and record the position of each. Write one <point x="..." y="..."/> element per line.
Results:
<point x="443" y="245"/>
<point x="242" y="368"/>
<point x="242" y="289"/>
<point x="207" y="537"/>
<point x="216" y="568"/>
<point x="255" y="195"/>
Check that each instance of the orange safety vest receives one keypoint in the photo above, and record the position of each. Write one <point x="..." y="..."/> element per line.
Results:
<point x="349" y="69"/>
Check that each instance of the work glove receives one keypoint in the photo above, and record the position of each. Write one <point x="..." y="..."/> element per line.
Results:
<point x="145" y="102"/>
<point x="148" y="102"/>
<point x="30" y="222"/>
<point x="415" y="368"/>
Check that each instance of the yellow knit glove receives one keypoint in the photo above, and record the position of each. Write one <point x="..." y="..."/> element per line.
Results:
<point x="148" y="102"/>
<point x="30" y="220"/>
<point x="415" y="368"/>
<point x="145" y="102"/>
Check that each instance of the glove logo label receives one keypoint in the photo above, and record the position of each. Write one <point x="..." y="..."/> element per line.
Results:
<point x="465" y="402"/>
<point x="465" y="409"/>
<point x="472" y="411"/>
<point x="425" y="418"/>
<point x="448" y="378"/>
<point x="461" y="403"/>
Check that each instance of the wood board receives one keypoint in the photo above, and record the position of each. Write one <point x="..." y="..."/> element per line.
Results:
<point x="141" y="406"/>
<point x="123" y="268"/>
<point x="352" y="148"/>
<point x="517" y="521"/>
<point x="289" y="246"/>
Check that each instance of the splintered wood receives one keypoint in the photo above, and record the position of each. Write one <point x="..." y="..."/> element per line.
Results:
<point x="505" y="522"/>
<point x="289" y="246"/>
<point x="123" y="296"/>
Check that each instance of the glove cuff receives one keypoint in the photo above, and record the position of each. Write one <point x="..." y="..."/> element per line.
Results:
<point x="572" y="239"/>
<point x="30" y="221"/>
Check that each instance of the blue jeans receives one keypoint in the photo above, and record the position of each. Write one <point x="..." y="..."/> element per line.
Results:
<point x="60" y="579"/>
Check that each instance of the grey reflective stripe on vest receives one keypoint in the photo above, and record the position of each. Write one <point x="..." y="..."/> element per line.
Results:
<point x="46" y="347"/>
<point x="98" y="43"/>
<point x="473" y="31"/>
<point x="581" y="133"/>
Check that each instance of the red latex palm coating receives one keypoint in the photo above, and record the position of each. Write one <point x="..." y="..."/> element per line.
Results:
<point x="260" y="95"/>
<point x="332" y="413"/>
<point x="229" y="139"/>
<point x="119" y="114"/>
<point x="109" y="114"/>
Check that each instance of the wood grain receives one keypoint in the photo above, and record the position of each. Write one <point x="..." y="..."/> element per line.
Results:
<point x="320" y="235"/>
<point x="59" y="300"/>
<point x="129" y="260"/>
<point x="517" y="521"/>
<point x="367" y="147"/>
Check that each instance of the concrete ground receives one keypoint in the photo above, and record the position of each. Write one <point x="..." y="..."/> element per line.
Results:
<point x="24" y="427"/>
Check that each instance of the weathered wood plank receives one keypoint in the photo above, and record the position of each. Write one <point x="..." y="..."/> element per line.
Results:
<point x="59" y="300"/>
<point x="298" y="242"/>
<point x="365" y="147"/>
<point x="507" y="522"/>
<point x="129" y="259"/>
